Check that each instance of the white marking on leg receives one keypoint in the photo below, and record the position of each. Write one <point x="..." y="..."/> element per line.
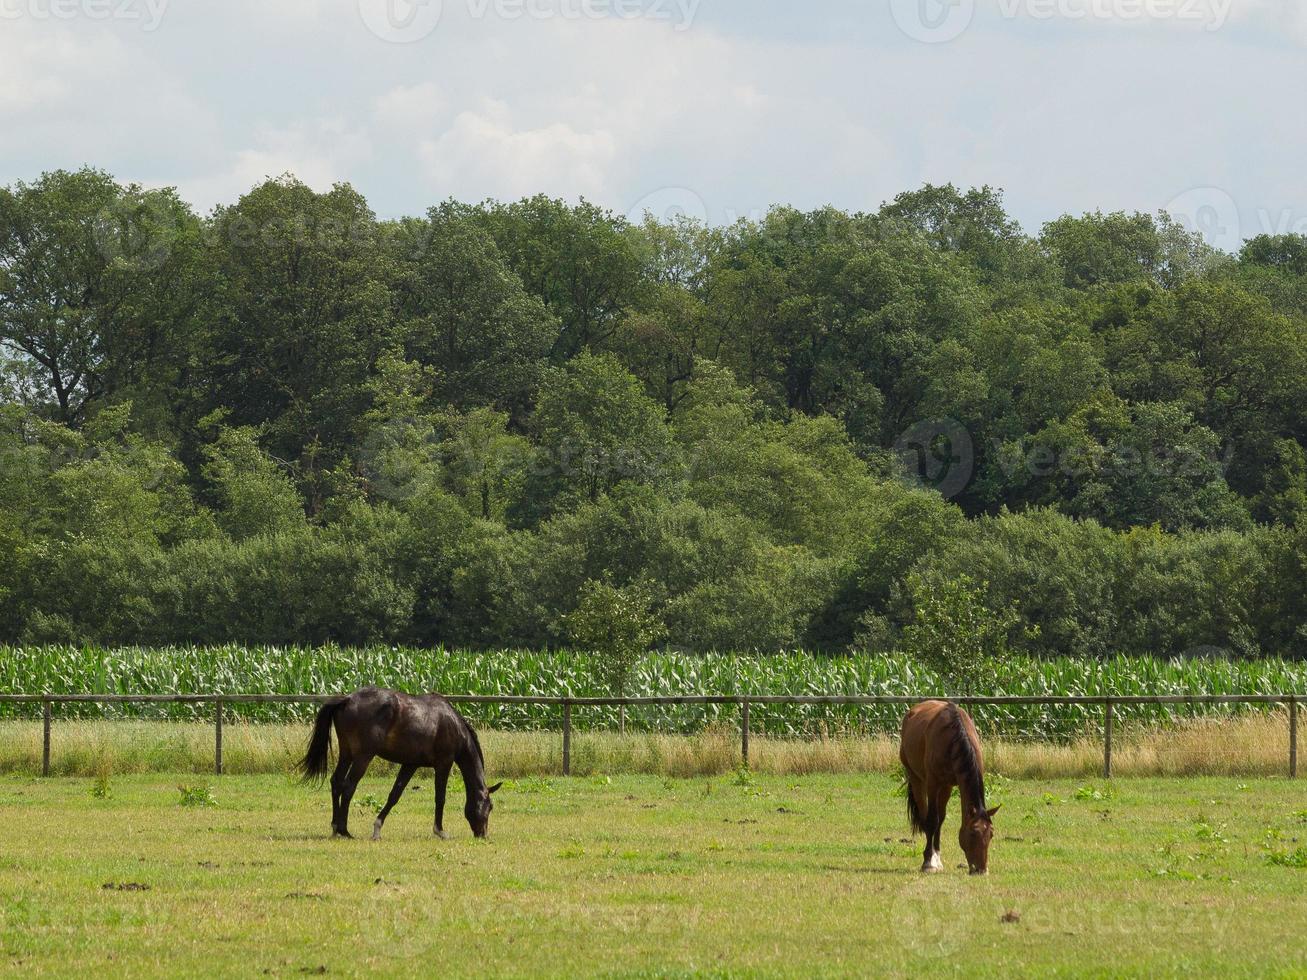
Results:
<point x="936" y="864"/>
<point x="376" y="829"/>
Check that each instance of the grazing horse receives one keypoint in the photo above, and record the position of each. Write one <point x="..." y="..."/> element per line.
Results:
<point x="400" y="728"/>
<point x="940" y="749"/>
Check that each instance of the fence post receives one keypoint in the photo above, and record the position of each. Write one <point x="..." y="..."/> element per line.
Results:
<point x="744" y="731"/>
<point x="1107" y="740"/>
<point x="567" y="738"/>
<point x="217" y="737"/>
<point x="45" y="737"/>
<point x="1293" y="737"/>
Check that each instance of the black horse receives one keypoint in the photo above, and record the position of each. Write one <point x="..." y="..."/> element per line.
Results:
<point x="407" y="730"/>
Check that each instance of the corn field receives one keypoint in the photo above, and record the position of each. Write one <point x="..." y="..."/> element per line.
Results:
<point x="301" y="670"/>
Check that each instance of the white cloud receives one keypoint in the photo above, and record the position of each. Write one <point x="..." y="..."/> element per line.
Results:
<point x="483" y="155"/>
<point x="747" y="108"/>
<point x="410" y="107"/>
<point x="41" y="70"/>
<point x="1285" y="17"/>
<point x="319" y="153"/>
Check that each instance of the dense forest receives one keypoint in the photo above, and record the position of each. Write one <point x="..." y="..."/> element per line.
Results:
<point x="289" y="421"/>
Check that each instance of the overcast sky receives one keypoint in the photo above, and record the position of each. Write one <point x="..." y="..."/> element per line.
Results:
<point x="714" y="107"/>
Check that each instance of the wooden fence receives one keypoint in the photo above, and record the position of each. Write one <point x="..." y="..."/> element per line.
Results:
<point x="566" y="704"/>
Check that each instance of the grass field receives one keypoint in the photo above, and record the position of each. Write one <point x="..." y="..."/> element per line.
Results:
<point x="648" y="876"/>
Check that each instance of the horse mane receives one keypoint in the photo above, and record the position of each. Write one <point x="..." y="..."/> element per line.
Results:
<point x="966" y="763"/>
<point x="473" y="742"/>
<point x="476" y="742"/>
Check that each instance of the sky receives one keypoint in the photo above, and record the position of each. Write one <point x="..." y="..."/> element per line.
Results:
<point x="714" y="108"/>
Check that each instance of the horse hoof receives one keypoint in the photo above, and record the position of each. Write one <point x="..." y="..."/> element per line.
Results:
<point x="343" y="833"/>
<point x="442" y="835"/>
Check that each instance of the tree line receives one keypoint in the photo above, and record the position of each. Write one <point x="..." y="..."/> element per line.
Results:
<point x="291" y="421"/>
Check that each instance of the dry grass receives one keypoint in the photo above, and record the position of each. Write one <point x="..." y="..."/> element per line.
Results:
<point x="1252" y="745"/>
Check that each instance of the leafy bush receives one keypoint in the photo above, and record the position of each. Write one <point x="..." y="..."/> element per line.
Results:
<point x="619" y="626"/>
<point x="195" y="795"/>
<point x="954" y="632"/>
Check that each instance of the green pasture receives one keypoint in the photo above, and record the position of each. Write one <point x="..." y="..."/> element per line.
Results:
<point x="736" y="875"/>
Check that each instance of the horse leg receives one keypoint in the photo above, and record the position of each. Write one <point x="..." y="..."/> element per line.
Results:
<point x="929" y="857"/>
<point x="401" y="781"/>
<point x="356" y="771"/>
<point x="442" y="781"/>
<point x="940" y="806"/>
<point x="337" y="789"/>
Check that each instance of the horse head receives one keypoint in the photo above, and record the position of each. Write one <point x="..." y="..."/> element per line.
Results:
<point x="478" y="810"/>
<point x="975" y="834"/>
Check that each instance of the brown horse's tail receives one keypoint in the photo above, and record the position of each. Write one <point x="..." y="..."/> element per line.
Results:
<point x="915" y="817"/>
<point x="314" y="764"/>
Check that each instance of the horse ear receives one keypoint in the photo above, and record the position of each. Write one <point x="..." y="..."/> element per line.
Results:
<point x="494" y="787"/>
<point x="990" y="813"/>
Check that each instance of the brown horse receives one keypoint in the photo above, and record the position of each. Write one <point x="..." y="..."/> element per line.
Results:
<point x="940" y="749"/>
<point x="411" y="731"/>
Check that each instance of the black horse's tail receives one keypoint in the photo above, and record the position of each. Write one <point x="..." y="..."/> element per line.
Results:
<point x="915" y="817"/>
<point x="314" y="764"/>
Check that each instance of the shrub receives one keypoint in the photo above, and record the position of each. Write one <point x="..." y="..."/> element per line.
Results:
<point x="619" y="625"/>
<point x="954" y="632"/>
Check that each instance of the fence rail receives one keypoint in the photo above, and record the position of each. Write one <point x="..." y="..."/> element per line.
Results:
<point x="1107" y="702"/>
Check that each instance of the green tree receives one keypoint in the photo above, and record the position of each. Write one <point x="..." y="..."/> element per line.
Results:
<point x="955" y="632"/>
<point x="619" y="625"/>
<point x="464" y="313"/>
<point x="485" y="465"/>
<point x="581" y="260"/>
<point x="94" y="286"/>
<point x="255" y="493"/>
<point x="1284" y="497"/>
<point x="302" y="310"/>
<point x="597" y="428"/>
<point x="975" y="225"/>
